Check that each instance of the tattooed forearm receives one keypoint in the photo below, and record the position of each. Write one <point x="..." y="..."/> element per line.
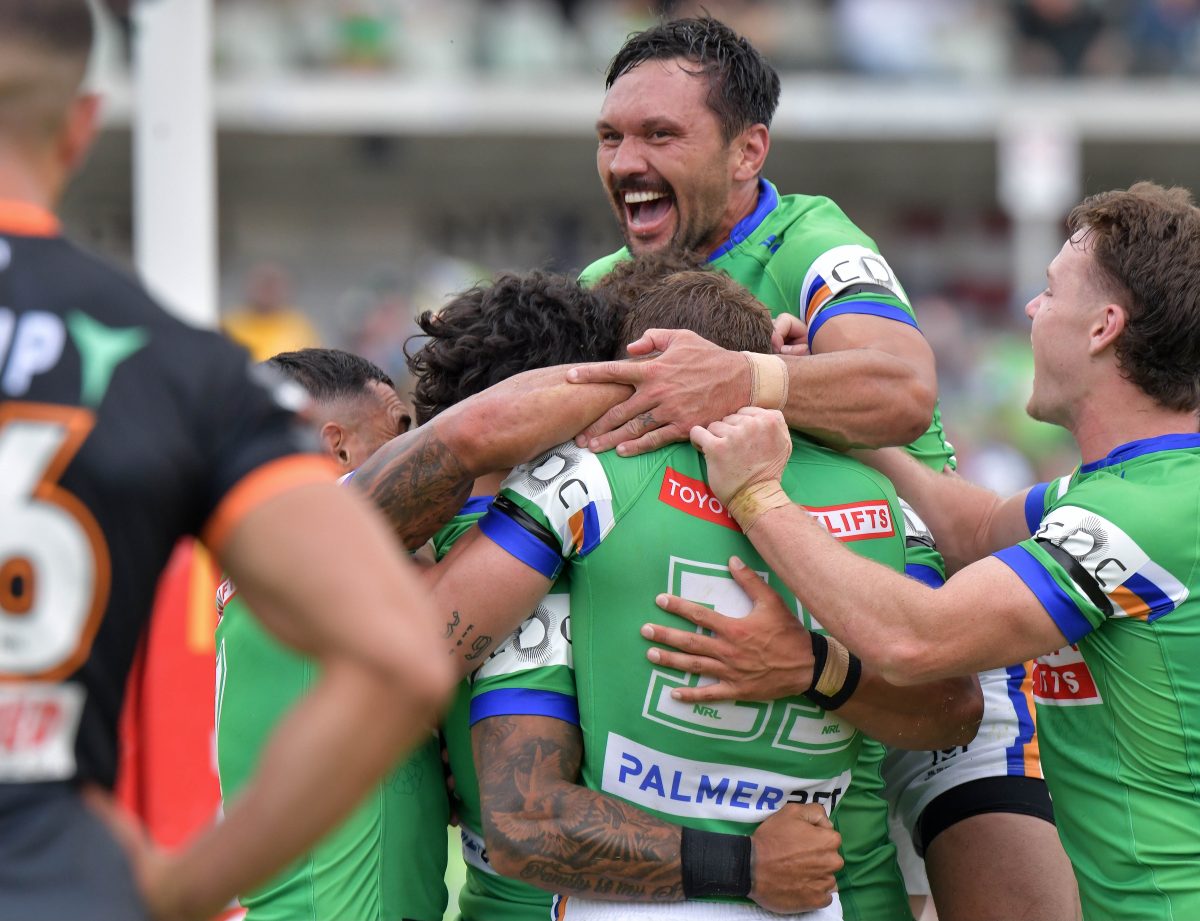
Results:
<point x="417" y="481"/>
<point x="543" y="827"/>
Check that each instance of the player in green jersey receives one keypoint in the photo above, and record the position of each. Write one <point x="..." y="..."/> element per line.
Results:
<point x="1092" y="573"/>
<point x="480" y="337"/>
<point x="588" y="843"/>
<point x="682" y="140"/>
<point x="683" y="136"/>
<point x="377" y="864"/>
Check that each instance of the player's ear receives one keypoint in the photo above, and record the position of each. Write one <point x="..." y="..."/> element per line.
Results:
<point x="1107" y="328"/>
<point x="751" y="148"/>
<point x="333" y="438"/>
<point x="83" y="121"/>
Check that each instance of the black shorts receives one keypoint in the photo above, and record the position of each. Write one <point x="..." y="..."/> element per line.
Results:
<point x="1019" y="795"/>
<point x="58" y="860"/>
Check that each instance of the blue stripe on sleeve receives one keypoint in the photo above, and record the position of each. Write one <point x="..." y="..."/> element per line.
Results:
<point x="476" y="505"/>
<point x="1054" y="598"/>
<point x="808" y="295"/>
<point x="1035" y="501"/>
<point x="1150" y="593"/>
<point x="867" y="308"/>
<point x="591" y="529"/>
<point x="524" y="702"/>
<point x="926" y="574"/>
<point x="520" y="543"/>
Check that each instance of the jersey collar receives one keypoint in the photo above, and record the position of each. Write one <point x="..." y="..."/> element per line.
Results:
<point x="25" y="219"/>
<point x="768" y="199"/>
<point x="1127" y="452"/>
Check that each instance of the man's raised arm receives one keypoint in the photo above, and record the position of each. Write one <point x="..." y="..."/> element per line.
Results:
<point x="421" y="479"/>
<point x="970" y="522"/>
<point x="871" y="383"/>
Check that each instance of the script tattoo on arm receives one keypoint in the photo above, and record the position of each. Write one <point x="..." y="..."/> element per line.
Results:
<point x="418" y="483"/>
<point x="542" y="827"/>
<point x="480" y="644"/>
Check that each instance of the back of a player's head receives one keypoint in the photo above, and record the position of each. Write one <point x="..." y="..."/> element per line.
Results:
<point x="44" y="47"/>
<point x="629" y="279"/>
<point x="1145" y="242"/>
<point x="708" y="303"/>
<point x="517" y="323"/>
<point x="743" y="87"/>
<point x="329" y="374"/>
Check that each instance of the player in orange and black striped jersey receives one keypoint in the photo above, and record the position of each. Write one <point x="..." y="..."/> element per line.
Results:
<point x="122" y="429"/>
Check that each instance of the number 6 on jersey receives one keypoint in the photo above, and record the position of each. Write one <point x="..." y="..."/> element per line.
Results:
<point x="54" y="574"/>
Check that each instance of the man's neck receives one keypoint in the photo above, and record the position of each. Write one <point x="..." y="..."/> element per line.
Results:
<point x="21" y="180"/>
<point x="1103" y="426"/>
<point x="743" y="199"/>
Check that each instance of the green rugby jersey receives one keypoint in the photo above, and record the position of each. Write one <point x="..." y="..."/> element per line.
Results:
<point x="800" y="254"/>
<point x="486" y="895"/>
<point x="379" y="864"/>
<point x="722" y="766"/>
<point x="1113" y="558"/>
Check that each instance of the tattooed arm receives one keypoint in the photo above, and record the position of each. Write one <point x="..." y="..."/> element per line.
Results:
<point x="543" y="828"/>
<point x="420" y="479"/>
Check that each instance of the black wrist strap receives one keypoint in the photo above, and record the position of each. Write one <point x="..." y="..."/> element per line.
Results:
<point x="714" y="864"/>
<point x="820" y="648"/>
<point x="853" y="675"/>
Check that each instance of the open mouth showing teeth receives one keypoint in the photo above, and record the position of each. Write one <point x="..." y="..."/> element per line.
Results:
<point x="643" y="209"/>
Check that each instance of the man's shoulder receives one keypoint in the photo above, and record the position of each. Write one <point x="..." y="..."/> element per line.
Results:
<point x="631" y="475"/>
<point x="834" y="466"/>
<point x="813" y="221"/>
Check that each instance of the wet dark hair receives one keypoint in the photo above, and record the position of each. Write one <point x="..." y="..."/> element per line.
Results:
<point x="1145" y="241"/>
<point x="517" y="323"/>
<point x="743" y="87"/>
<point x="328" y="374"/>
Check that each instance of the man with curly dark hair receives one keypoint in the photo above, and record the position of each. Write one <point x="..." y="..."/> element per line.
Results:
<point x="482" y="336"/>
<point x="490" y="332"/>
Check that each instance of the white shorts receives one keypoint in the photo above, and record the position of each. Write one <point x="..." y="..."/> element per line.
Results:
<point x="912" y="867"/>
<point x="1006" y="746"/>
<point x="572" y="908"/>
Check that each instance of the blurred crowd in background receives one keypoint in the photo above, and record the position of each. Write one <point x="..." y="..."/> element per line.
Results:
<point x="954" y="261"/>
<point x="969" y="39"/>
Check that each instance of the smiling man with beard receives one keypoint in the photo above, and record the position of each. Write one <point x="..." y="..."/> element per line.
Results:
<point x="683" y="136"/>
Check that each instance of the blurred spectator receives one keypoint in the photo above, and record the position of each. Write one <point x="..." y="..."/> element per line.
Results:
<point x="267" y="324"/>
<point x="540" y="38"/>
<point x="910" y="38"/>
<point x="1067" y="38"/>
<point x="1164" y="37"/>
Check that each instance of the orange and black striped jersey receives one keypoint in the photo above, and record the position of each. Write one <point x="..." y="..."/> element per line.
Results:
<point x="121" y="430"/>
